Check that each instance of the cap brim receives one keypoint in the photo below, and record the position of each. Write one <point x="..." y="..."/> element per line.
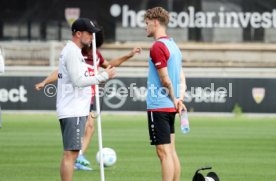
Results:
<point x="94" y="30"/>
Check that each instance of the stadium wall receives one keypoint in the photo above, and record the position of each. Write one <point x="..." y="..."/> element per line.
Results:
<point x="250" y="68"/>
<point x="204" y="94"/>
<point x="191" y="20"/>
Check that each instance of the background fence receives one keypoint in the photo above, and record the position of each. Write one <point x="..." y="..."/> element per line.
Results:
<point x="191" y="20"/>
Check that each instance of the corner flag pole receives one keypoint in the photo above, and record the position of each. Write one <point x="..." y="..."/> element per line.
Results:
<point x="98" y="111"/>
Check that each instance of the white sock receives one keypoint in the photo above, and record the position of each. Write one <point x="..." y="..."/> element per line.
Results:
<point x="80" y="152"/>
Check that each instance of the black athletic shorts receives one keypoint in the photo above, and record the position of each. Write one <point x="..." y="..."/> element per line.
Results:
<point x="91" y="108"/>
<point x="161" y="126"/>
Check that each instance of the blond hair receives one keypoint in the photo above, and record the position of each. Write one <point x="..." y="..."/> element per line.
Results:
<point x="158" y="13"/>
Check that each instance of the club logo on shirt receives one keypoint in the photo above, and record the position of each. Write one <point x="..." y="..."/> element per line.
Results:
<point x="60" y="75"/>
<point x="158" y="63"/>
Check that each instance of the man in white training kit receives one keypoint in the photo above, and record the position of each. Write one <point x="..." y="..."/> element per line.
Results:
<point x="74" y="90"/>
<point x="2" y="63"/>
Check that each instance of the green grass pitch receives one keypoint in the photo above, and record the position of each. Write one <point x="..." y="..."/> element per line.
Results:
<point x="238" y="148"/>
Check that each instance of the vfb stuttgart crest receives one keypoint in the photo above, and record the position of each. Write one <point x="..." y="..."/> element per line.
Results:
<point x="258" y="94"/>
<point x="71" y="15"/>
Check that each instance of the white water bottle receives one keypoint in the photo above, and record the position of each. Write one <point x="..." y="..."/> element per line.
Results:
<point x="184" y="122"/>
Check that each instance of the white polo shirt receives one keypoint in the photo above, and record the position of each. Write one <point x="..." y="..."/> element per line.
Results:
<point x="74" y="91"/>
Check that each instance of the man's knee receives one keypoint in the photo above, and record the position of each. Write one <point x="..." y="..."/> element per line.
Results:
<point x="70" y="155"/>
<point x="163" y="151"/>
<point x="90" y="123"/>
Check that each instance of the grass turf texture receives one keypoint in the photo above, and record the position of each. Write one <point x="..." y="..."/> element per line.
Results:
<point x="238" y="148"/>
